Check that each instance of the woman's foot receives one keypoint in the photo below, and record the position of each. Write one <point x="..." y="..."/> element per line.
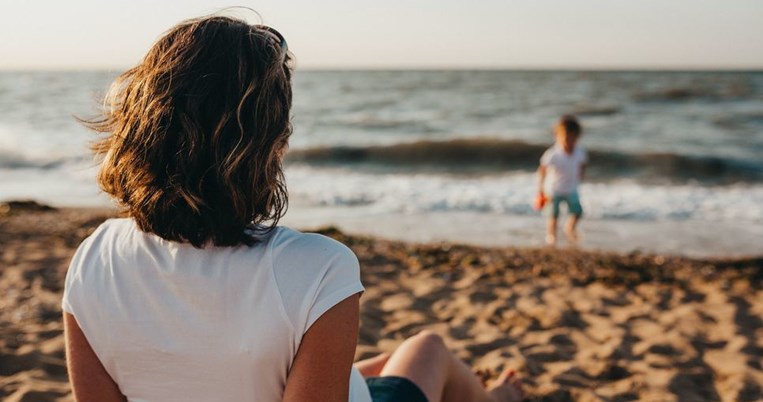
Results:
<point x="508" y="388"/>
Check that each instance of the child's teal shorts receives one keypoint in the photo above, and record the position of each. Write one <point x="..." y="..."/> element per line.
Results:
<point x="572" y="201"/>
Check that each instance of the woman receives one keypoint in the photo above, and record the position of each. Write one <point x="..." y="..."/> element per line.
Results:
<point x="198" y="294"/>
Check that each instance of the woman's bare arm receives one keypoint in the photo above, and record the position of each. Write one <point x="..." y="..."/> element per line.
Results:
<point x="90" y="381"/>
<point x="321" y="369"/>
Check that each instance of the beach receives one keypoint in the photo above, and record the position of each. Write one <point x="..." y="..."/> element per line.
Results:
<point x="585" y="212"/>
<point x="577" y="325"/>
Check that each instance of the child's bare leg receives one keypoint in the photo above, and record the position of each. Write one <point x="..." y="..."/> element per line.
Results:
<point x="441" y="376"/>
<point x="373" y="366"/>
<point x="570" y="229"/>
<point x="551" y="231"/>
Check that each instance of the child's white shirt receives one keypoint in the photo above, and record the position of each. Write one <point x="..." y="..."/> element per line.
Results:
<point x="563" y="168"/>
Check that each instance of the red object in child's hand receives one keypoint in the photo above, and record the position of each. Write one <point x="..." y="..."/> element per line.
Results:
<point x="540" y="201"/>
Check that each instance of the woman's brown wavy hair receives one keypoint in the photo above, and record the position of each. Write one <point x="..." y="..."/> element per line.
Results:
<point x="196" y="133"/>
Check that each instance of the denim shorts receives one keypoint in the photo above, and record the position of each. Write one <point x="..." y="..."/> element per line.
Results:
<point x="394" y="389"/>
<point x="573" y="205"/>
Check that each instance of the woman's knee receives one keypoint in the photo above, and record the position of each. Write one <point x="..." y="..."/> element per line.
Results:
<point x="424" y="349"/>
<point x="427" y="340"/>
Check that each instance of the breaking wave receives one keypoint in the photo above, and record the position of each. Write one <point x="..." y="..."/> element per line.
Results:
<point x="490" y="156"/>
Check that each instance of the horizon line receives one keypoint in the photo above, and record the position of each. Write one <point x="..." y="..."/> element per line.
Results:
<point x="581" y="68"/>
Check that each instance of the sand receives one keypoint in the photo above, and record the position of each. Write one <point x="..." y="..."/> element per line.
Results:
<point x="577" y="325"/>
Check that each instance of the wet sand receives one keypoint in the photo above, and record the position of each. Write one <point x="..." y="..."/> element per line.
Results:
<point x="691" y="238"/>
<point x="577" y="325"/>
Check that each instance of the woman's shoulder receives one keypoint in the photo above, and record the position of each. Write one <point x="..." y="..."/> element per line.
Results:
<point x="313" y="273"/>
<point x="109" y="228"/>
<point x="311" y="258"/>
<point x="291" y="241"/>
<point x="86" y="266"/>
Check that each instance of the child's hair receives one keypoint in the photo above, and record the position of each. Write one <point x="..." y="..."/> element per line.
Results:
<point x="197" y="130"/>
<point x="569" y="124"/>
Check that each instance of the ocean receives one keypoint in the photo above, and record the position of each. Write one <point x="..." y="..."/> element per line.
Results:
<point x="682" y="151"/>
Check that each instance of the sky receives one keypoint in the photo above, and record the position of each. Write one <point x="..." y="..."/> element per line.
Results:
<point x="400" y="34"/>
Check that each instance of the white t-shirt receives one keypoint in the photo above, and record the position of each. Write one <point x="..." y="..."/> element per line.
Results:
<point x="563" y="168"/>
<point x="171" y="322"/>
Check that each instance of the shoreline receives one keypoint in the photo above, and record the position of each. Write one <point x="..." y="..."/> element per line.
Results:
<point x="708" y="240"/>
<point x="576" y="324"/>
<point x="691" y="239"/>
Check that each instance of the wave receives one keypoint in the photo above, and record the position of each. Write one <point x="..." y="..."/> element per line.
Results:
<point x="733" y="91"/>
<point x="14" y="160"/>
<point x="751" y="121"/>
<point x="594" y="111"/>
<point x="490" y="156"/>
<point x="513" y="194"/>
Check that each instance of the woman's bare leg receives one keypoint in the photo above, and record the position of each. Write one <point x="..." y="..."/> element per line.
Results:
<point x="426" y="361"/>
<point x="373" y="366"/>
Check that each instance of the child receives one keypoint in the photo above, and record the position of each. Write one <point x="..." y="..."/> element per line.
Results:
<point x="564" y="163"/>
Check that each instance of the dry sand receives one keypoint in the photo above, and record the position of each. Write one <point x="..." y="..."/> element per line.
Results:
<point x="577" y="325"/>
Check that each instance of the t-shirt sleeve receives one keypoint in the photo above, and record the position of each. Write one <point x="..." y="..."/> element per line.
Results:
<point x="74" y="282"/>
<point x="340" y="281"/>
<point x="546" y="158"/>
<point x="314" y="273"/>
<point x="583" y="156"/>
